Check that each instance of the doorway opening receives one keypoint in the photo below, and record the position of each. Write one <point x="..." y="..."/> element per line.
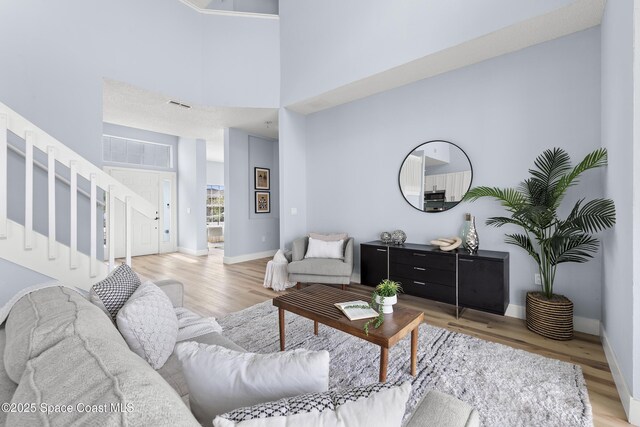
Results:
<point x="149" y="235"/>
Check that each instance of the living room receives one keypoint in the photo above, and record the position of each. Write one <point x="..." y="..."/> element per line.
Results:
<point x="357" y="86"/>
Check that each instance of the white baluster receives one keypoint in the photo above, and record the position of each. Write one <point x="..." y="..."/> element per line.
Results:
<point x="94" y="241"/>
<point x="128" y="231"/>
<point x="3" y="176"/>
<point x="51" y="174"/>
<point x="111" y="220"/>
<point x="28" y="189"/>
<point x="73" y="215"/>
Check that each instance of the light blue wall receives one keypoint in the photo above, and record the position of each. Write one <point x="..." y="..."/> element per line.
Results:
<point x="293" y="176"/>
<point x="618" y="321"/>
<point x="60" y="52"/>
<point x="192" y="195"/>
<point x="15" y="278"/>
<point x="245" y="230"/>
<point x="503" y="112"/>
<point x="215" y="173"/>
<point x="142" y="135"/>
<point x="330" y="43"/>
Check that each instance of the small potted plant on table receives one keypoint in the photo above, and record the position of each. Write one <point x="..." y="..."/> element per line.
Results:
<point x="386" y="295"/>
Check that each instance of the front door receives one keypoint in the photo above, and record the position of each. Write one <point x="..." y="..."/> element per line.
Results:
<point x="146" y="232"/>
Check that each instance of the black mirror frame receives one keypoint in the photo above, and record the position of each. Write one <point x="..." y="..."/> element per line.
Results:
<point x="414" y="149"/>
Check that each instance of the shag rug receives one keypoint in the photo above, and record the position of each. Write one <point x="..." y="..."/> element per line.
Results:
<point x="508" y="387"/>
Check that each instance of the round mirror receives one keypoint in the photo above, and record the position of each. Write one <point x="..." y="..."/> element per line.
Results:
<point x="435" y="176"/>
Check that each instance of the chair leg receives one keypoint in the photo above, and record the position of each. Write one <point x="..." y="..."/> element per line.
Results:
<point x="344" y="287"/>
<point x="298" y="286"/>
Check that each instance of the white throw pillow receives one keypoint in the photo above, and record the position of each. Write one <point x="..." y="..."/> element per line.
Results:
<point x="380" y="404"/>
<point x="221" y="380"/>
<point x="325" y="249"/>
<point x="149" y="325"/>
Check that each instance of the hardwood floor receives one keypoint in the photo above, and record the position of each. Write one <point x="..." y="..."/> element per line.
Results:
<point x="215" y="289"/>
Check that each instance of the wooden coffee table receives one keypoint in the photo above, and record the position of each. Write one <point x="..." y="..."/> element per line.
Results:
<point x="317" y="303"/>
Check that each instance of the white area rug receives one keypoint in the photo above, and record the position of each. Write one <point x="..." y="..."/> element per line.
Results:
<point x="508" y="387"/>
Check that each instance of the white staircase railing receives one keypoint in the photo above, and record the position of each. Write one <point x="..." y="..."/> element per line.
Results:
<point x="22" y="245"/>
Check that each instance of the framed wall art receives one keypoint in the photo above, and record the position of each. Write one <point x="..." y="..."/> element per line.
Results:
<point x="263" y="202"/>
<point x="262" y="178"/>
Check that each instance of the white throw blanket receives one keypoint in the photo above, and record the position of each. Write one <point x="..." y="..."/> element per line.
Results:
<point x="277" y="275"/>
<point x="4" y="311"/>
<point x="191" y="325"/>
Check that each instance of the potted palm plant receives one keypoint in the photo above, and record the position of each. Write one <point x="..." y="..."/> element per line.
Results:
<point x="549" y="239"/>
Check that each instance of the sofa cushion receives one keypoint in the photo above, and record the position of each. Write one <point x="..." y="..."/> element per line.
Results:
<point x="220" y="379"/>
<point x="172" y="369"/>
<point x="442" y="410"/>
<point x="43" y="318"/>
<point x="299" y="248"/>
<point x="149" y="324"/>
<point x="331" y="237"/>
<point x="321" y="267"/>
<point x="380" y="404"/>
<point x="112" y="293"/>
<point x="7" y="386"/>
<point x="77" y="372"/>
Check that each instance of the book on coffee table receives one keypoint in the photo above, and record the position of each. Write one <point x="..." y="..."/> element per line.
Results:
<point x="356" y="313"/>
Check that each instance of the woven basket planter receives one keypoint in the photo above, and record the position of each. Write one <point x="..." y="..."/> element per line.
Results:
<point x="551" y="318"/>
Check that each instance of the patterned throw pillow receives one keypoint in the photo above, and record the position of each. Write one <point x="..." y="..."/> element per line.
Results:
<point x="113" y="292"/>
<point x="330" y="408"/>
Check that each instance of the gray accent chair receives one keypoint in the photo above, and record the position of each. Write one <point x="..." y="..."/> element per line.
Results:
<point x="319" y="270"/>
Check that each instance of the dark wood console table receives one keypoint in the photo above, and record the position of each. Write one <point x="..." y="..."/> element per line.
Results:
<point x="479" y="281"/>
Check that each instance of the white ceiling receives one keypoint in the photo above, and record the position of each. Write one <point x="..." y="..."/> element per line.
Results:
<point x="127" y="105"/>
<point x="578" y="16"/>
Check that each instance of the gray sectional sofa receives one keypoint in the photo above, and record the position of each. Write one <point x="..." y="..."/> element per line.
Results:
<point x="64" y="363"/>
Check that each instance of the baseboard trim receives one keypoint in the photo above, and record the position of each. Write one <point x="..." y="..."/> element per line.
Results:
<point x="631" y="405"/>
<point x="248" y="257"/>
<point x="201" y="252"/>
<point x="580" y="324"/>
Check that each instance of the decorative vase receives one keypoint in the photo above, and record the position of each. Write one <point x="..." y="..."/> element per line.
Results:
<point x="385" y="237"/>
<point x="398" y="237"/>
<point x="551" y="318"/>
<point x="387" y="303"/>
<point x="471" y="240"/>
<point x="465" y="229"/>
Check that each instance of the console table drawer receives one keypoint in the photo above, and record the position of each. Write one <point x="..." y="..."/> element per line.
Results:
<point x="423" y="274"/>
<point x="422" y="259"/>
<point x="429" y="290"/>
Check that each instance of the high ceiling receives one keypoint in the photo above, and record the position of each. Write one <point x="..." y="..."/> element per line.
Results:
<point x="127" y="105"/>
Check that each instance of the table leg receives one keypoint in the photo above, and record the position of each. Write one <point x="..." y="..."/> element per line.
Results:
<point x="384" y="359"/>
<point x="315" y="327"/>
<point x="414" y="350"/>
<point x="281" y="321"/>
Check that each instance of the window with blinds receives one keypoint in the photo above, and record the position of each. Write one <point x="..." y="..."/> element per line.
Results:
<point x="134" y="152"/>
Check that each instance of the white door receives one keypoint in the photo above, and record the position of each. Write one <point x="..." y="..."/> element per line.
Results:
<point x="149" y="235"/>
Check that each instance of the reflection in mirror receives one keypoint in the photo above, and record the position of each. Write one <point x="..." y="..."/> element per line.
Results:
<point x="435" y="176"/>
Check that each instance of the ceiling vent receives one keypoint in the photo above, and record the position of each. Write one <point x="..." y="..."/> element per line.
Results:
<point x="179" y="104"/>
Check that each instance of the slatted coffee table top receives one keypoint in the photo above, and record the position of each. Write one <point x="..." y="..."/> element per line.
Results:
<point x="316" y="302"/>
